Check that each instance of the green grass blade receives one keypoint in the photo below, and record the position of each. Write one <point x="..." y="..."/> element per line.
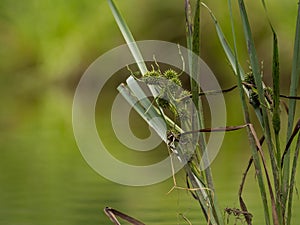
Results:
<point x="260" y="90"/>
<point x="128" y="37"/>
<point x="195" y="89"/>
<point x="276" y="97"/>
<point x="202" y="193"/>
<point x="292" y="103"/>
<point x="295" y="75"/>
<point x="147" y="113"/>
<point x="227" y="49"/>
<point x="276" y="123"/>
<point x="294" y="166"/>
<point x="292" y="182"/>
<point x="196" y="30"/>
<point x="247" y="120"/>
<point x="254" y="63"/>
<point x="193" y="43"/>
<point x="188" y="24"/>
<point x="251" y="50"/>
<point x="230" y="57"/>
<point x="276" y="87"/>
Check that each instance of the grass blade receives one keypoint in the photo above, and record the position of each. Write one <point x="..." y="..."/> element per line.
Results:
<point x="276" y="114"/>
<point x="193" y="43"/>
<point x="188" y="24"/>
<point x="231" y="58"/>
<point x="261" y="94"/>
<point x="227" y="49"/>
<point x="292" y="108"/>
<point x="293" y="173"/>
<point x="295" y="75"/>
<point x="292" y="182"/>
<point x="276" y="97"/>
<point x="128" y="37"/>
<point x="195" y="89"/>
<point x="247" y="120"/>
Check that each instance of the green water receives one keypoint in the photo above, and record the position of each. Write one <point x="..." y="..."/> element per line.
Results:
<point x="45" y="180"/>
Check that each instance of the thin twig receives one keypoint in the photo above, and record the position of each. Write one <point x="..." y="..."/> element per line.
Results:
<point x="290" y="97"/>
<point x="218" y="129"/>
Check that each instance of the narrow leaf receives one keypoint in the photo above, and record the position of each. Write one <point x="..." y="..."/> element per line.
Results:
<point x="276" y="110"/>
<point x="292" y="181"/>
<point x="227" y="49"/>
<point x="261" y="94"/>
<point x="292" y="106"/>
<point x="188" y="24"/>
<point x="128" y="37"/>
<point x="251" y="137"/>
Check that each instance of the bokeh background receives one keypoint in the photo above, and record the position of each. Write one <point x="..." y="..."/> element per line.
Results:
<point x="45" y="47"/>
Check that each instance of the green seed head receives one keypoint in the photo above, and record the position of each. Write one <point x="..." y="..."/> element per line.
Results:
<point x="152" y="73"/>
<point x="152" y="77"/>
<point x="176" y="81"/>
<point x="170" y="74"/>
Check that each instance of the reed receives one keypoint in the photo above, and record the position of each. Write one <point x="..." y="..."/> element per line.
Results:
<point x="277" y="183"/>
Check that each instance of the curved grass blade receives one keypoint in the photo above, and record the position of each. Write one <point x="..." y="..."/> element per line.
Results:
<point x="128" y="37"/>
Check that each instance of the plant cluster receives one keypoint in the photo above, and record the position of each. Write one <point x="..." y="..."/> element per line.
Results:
<point x="276" y="184"/>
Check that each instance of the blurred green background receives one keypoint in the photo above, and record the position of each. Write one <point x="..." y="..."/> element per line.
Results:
<point x="45" y="47"/>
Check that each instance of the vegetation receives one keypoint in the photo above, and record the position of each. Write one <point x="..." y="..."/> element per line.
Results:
<point x="276" y="183"/>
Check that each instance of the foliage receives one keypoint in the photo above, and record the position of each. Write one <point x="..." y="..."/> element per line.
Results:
<point x="276" y="186"/>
